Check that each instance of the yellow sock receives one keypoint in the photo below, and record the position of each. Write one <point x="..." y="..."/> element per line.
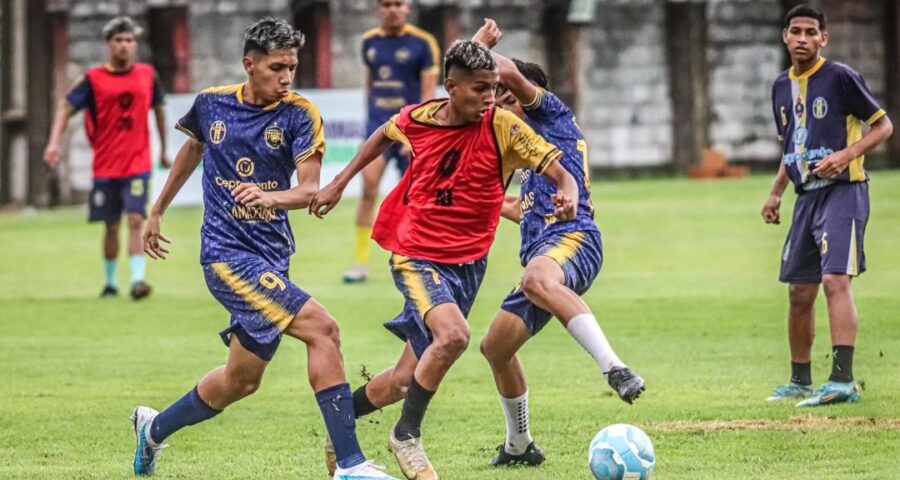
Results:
<point x="362" y="245"/>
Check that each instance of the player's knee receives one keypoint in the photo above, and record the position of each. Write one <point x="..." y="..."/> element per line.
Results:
<point x="536" y="286"/>
<point x="323" y="327"/>
<point x="370" y="192"/>
<point x="489" y="351"/>
<point x="244" y="385"/>
<point x="135" y="222"/>
<point x="835" y="284"/>
<point x="453" y="343"/>
<point x="112" y="228"/>
<point x="802" y="296"/>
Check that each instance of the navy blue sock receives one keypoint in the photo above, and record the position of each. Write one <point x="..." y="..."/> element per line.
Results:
<point x="336" y="404"/>
<point x="189" y="410"/>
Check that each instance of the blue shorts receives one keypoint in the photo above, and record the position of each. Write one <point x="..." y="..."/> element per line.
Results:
<point x="580" y="254"/>
<point x="262" y="302"/>
<point x="425" y="285"/>
<point x="112" y="196"/>
<point x="394" y="153"/>
<point x="827" y="234"/>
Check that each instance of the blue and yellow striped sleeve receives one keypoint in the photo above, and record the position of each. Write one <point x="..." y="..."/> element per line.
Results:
<point x="520" y="146"/>
<point x="309" y="138"/>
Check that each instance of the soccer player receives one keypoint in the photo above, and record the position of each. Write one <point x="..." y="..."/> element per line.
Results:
<point x="117" y="97"/>
<point x="251" y="138"/>
<point x="819" y="108"/>
<point x="402" y="68"/>
<point x="439" y="223"/>
<point x="561" y="259"/>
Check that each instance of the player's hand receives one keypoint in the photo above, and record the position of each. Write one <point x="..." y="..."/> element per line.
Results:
<point x="566" y="208"/>
<point x="164" y="161"/>
<point x="327" y="198"/>
<point x="833" y="165"/>
<point x="51" y="155"/>
<point x="771" y="211"/>
<point x="489" y="34"/>
<point x="152" y="237"/>
<point x="251" y="195"/>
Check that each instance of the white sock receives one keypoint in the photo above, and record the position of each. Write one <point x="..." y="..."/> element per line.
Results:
<point x="586" y="331"/>
<point x="518" y="436"/>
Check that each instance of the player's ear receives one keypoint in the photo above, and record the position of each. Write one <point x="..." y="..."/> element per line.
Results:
<point x="784" y="34"/>
<point x="449" y="85"/>
<point x="824" y="39"/>
<point x="248" y="64"/>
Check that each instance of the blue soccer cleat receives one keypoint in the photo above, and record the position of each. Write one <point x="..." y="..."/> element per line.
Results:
<point x="146" y="453"/>
<point x="791" y="391"/>
<point x="364" y="471"/>
<point x="831" y="393"/>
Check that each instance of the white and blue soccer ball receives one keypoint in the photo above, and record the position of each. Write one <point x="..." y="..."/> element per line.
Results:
<point x="622" y="452"/>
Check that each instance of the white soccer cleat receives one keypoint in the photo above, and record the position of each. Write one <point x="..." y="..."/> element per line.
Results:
<point x="364" y="471"/>
<point x="357" y="274"/>
<point x="146" y="453"/>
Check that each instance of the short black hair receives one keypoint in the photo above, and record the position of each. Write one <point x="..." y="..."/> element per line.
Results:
<point x="533" y="72"/>
<point x="121" y="25"/>
<point x="805" y="11"/>
<point x="469" y="56"/>
<point x="272" y="34"/>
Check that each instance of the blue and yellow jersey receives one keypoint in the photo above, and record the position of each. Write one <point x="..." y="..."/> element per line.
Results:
<point x="818" y="113"/>
<point x="553" y="120"/>
<point x="395" y="65"/>
<point x="247" y="143"/>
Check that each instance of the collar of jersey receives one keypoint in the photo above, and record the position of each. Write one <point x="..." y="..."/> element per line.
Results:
<point x="812" y="71"/>
<point x="240" y="99"/>
<point x="403" y="31"/>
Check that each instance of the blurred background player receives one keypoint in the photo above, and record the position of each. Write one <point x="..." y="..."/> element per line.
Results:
<point x="117" y="97"/>
<point x="819" y="108"/>
<point x="439" y="224"/>
<point x="251" y="138"/>
<point x="561" y="259"/>
<point x="402" y="67"/>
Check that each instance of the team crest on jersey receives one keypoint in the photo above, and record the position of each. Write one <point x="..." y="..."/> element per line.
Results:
<point x="217" y="132"/>
<point x="820" y="108"/>
<point x="402" y="55"/>
<point x="370" y="54"/>
<point x="274" y="136"/>
<point x="245" y="167"/>
<point x="384" y="72"/>
<point x="800" y="135"/>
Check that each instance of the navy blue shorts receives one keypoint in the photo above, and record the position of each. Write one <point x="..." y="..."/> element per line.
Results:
<point x="580" y="254"/>
<point x="110" y="197"/>
<point x="262" y="302"/>
<point x="827" y="234"/>
<point x="394" y="153"/>
<point x="425" y="285"/>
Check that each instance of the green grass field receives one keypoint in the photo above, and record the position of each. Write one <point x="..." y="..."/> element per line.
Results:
<point x="688" y="296"/>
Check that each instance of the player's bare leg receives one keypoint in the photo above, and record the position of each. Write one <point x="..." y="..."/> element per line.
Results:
<point x="842" y="316"/>
<point x="544" y="285"/>
<point x="365" y="219"/>
<point x="505" y="337"/>
<point x="139" y="287"/>
<point x="451" y="338"/>
<point x="801" y="334"/>
<point x="110" y="254"/>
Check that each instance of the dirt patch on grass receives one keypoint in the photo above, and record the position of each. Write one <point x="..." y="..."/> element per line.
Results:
<point x="803" y="423"/>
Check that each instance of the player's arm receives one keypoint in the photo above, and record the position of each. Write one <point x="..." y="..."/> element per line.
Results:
<point x="836" y="163"/>
<point x="771" y="211"/>
<point x="327" y="198"/>
<point x="186" y="162"/>
<point x="566" y="197"/>
<point x="60" y="123"/>
<point x="510" y="77"/>
<point x="512" y="208"/>
<point x="308" y="174"/>
<point x="160" y="113"/>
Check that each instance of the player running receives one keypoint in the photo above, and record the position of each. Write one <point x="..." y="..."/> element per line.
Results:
<point x="251" y="138"/>
<point x="439" y="223"/>
<point x="116" y="98"/>
<point x="819" y="108"/>
<point x="561" y="259"/>
<point x="402" y="68"/>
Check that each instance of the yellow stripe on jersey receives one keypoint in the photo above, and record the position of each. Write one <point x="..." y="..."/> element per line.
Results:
<point x="520" y="146"/>
<point x="392" y="132"/>
<point x="270" y="309"/>
<point x="188" y="133"/>
<point x="226" y="90"/>
<point x="312" y="110"/>
<point x="567" y="248"/>
<point x="876" y="117"/>
<point x="538" y="95"/>
<point x="412" y="279"/>
<point x="854" y="134"/>
<point x="812" y="71"/>
<point x="375" y="32"/>
<point x="433" y="46"/>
